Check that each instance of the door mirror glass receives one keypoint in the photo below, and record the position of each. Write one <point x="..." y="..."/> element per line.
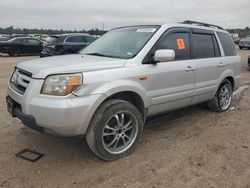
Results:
<point x="164" y="55"/>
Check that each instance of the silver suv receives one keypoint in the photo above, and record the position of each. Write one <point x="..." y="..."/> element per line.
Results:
<point x="108" y="90"/>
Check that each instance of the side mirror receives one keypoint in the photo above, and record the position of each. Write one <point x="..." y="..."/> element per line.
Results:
<point x="164" y="55"/>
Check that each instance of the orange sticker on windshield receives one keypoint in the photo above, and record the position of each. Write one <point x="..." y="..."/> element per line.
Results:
<point x="180" y="44"/>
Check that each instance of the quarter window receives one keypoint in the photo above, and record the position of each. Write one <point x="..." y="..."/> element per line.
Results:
<point x="179" y="42"/>
<point x="203" y="46"/>
<point x="227" y="44"/>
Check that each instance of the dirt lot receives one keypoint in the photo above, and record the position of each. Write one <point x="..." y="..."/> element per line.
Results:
<point x="193" y="147"/>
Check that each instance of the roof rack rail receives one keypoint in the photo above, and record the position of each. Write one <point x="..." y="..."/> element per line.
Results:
<point x="201" y="24"/>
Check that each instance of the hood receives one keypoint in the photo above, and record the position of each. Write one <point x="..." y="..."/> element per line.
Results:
<point x="4" y="42"/>
<point x="41" y="68"/>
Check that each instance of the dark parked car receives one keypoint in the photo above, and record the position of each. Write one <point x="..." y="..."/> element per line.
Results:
<point x="245" y="43"/>
<point x="8" y="37"/>
<point x="249" y="62"/>
<point x="21" y="45"/>
<point x="66" y="44"/>
<point x="236" y="40"/>
<point x="4" y="37"/>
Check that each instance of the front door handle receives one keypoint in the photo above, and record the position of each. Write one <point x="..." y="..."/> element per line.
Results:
<point x="190" y="69"/>
<point x="221" y="64"/>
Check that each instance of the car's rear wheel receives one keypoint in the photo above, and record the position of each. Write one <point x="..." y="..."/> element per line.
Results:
<point x="223" y="98"/>
<point x="115" y="130"/>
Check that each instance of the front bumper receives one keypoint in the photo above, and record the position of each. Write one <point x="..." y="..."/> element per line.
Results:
<point x="4" y="50"/>
<point x="244" y="45"/>
<point x="46" y="52"/>
<point x="65" y="116"/>
<point x="27" y="120"/>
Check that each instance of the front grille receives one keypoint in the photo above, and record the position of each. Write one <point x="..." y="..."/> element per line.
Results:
<point x="244" y="42"/>
<point x="20" y="80"/>
<point x="47" y="49"/>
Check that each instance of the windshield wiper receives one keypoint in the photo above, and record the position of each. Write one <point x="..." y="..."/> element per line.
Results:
<point x="96" y="54"/>
<point x="102" y="55"/>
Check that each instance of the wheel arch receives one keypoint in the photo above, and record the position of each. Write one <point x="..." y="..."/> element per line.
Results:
<point x="229" y="75"/>
<point x="231" y="80"/>
<point x="131" y="97"/>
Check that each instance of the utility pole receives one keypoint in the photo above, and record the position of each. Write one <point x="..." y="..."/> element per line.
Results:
<point x="103" y="27"/>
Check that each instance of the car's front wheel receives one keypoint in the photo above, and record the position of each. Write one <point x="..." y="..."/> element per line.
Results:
<point x="115" y="130"/>
<point x="15" y="52"/>
<point x="223" y="98"/>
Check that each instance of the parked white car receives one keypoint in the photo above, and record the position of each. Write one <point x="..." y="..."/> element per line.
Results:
<point x="110" y="88"/>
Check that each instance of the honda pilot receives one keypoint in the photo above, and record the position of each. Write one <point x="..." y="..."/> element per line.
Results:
<point x="108" y="90"/>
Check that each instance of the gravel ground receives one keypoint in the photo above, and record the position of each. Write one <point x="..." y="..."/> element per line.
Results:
<point x="192" y="147"/>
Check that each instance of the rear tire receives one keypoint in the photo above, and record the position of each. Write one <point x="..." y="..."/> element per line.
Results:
<point x="223" y="98"/>
<point x="115" y="130"/>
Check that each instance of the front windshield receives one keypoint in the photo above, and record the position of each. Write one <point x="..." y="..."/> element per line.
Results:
<point x="123" y="43"/>
<point x="13" y="39"/>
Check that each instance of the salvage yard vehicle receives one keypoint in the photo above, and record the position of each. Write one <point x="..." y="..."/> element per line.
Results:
<point x="249" y="61"/>
<point x="21" y="45"/>
<point x="66" y="44"/>
<point x="4" y="37"/>
<point x="110" y="88"/>
<point x="245" y="43"/>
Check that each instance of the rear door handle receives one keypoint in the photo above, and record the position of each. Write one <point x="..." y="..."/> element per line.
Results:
<point x="190" y="69"/>
<point x="221" y="64"/>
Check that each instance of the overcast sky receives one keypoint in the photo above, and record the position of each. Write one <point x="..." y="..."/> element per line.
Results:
<point x="83" y="14"/>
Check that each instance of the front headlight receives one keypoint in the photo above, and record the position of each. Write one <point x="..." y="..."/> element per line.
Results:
<point x="61" y="85"/>
<point x="52" y="46"/>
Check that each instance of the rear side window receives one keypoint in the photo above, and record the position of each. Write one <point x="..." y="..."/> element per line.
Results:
<point x="33" y="42"/>
<point x="76" y="39"/>
<point x="227" y="44"/>
<point x="89" y="39"/>
<point x="179" y="42"/>
<point x="203" y="46"/>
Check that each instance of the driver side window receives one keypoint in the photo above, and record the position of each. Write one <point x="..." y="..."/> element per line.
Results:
<point x="33" y="42"/>
<point x="179" y="42"/>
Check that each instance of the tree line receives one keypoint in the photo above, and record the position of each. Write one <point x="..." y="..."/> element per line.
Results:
<point x="11" y="30"/>
<point x="241" y="32"/>
<point x="94" y="31"/>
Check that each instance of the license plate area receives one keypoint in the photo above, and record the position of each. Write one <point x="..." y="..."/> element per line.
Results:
<point x="11" y="105"/>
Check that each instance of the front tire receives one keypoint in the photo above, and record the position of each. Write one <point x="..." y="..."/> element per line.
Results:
<point x="115" y="130"/>
<point x="15" y="52"/>
<point x="223" y="98"/>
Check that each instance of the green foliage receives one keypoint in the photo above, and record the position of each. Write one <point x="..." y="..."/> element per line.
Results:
<point x="241" y="32"/>
<point x="94" y="31"/>
<point x="10" y="30"/>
